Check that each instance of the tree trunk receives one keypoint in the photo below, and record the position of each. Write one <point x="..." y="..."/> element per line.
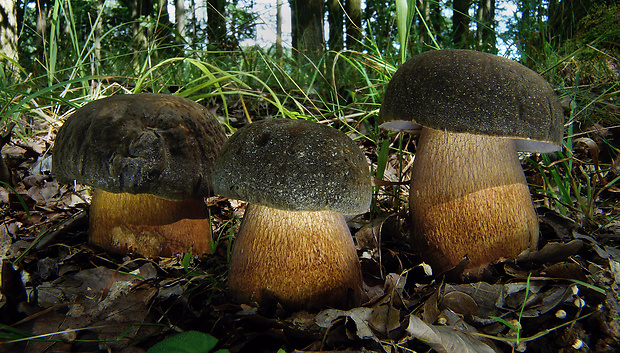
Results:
<point x="485" y="35"/>
<point x="42" y="8"/>
<point x="8" y="36"/>
<point x="307" y="27"/>
<point x="354" y="24"/>
<point x="423" y="20"/>
<point x="216" y="22"/>
<point x="436" y="17"/>
<point x="21" y="10"/>
<point x="460" y="23"/>
<point x="279" y="29"/>
<point x="564" y="17"/>
<point x="380" y="14"/>
<point x="141" y="10"/>
<point x="179" y="13"/>
<point x="335" y="19"/>
<point x="192" y="12"/>
<point x="162" y="31"/>
<point x="96" y="62"/>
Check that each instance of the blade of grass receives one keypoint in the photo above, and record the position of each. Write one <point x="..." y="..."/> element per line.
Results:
<point x="21" y="200"/>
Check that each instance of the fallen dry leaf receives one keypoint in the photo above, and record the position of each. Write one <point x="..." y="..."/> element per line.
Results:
<point x="107" y="305"/>
<point x="445" y="339"/>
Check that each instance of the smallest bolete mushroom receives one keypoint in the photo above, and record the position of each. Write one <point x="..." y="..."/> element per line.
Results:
<point x="294" y="245"/>
<point x="149" y="158"/>
<point x="469" y="196"/>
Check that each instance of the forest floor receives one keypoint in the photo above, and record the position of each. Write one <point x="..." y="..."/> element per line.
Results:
<point x="60" y="294"/>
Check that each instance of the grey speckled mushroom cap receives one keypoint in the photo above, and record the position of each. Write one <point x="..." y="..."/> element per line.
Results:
<point x="294" y="165"/>
<point x="141" y="143"/>
<point x="478" y="93"/>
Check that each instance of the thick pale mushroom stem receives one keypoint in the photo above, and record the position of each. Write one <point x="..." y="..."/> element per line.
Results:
<point x="152" y="226"/>
<point x="469" y="197"/>
<point x="301" y="259"/>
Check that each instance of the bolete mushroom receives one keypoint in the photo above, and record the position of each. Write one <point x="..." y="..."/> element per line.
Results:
<point x="294" y="246"/>
<point x="149" y="158"/>
<point x="469" y="195"/>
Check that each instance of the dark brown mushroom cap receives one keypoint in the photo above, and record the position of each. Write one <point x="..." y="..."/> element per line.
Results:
<point x="294" y="165"/>
<point x="479" y="93"/>
<point x="140" y="143"/>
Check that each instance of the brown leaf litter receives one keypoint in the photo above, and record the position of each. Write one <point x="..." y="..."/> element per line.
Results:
<point x="73" y="297"/>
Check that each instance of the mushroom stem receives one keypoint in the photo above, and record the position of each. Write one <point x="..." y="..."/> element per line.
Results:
<point x="303" y="259"/>
<point x="469" y="197"/>
<point x="122" y="222"/>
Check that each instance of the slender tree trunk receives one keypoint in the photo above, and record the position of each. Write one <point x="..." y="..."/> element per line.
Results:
<point x="96" y="62"/>
<point x="141" y="11"/>
<point x="335" y="19"/>
<point x="460" y="22"/>
<point x="307" y="27"/>
<point x="8" y="36"/>
<point x="42" y="9"/>
<point x="424" y="20"/>
<point x="485" y="34"/>
<point x="192" y="11"/>
<point x="216" y="22"/>
<point x="279" y="29"/>
<point x="436" y="17"/>
<point x="21" y="10"/>
<point x="564" y="17"/>
<point x="163" y="30"/>
<point x="179" y="13"/>
<point x="525" y="42"/>
<point x="354" y="24"/>
<point x="294" y="24"/>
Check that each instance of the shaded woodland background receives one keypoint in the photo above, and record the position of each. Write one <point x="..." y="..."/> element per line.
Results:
<point x="39" y="34"/>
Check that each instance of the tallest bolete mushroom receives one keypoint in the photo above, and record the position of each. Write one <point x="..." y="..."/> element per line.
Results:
<point x="469" y="195"/>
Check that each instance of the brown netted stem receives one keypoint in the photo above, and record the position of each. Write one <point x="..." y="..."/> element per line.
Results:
<point x="469" y="197"/>
<point x="305" y="260"/>
<point x="148" y="225"/>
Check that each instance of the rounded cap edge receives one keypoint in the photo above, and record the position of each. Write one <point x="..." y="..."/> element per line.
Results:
<point x="473" y="92"/>
<point x="294" y="165"/>
<point x="144" y="143"/>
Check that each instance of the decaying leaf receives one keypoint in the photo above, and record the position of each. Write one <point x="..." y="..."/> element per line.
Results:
<point x="484" y="301"/>
<point x="594" y="244"/>
<point x="561" y="225"/>
<point x="614" y="266"/>
<point x="460" y="303"/>
<point x="108" y="305"/>
<point x="430" y="308"/>
<point x="485" y="295"/>
<point x="445" y="339"/>
<point x="612" y="318"/>
<point x="368" y="242"/>
<point x="552" y="252"/>
<point x="5" y="240"/>
<point x="12" y="290"/>
<point x="360" y="317"/>
<point x="385" y="318"/>
<point x="366" y="320"/>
